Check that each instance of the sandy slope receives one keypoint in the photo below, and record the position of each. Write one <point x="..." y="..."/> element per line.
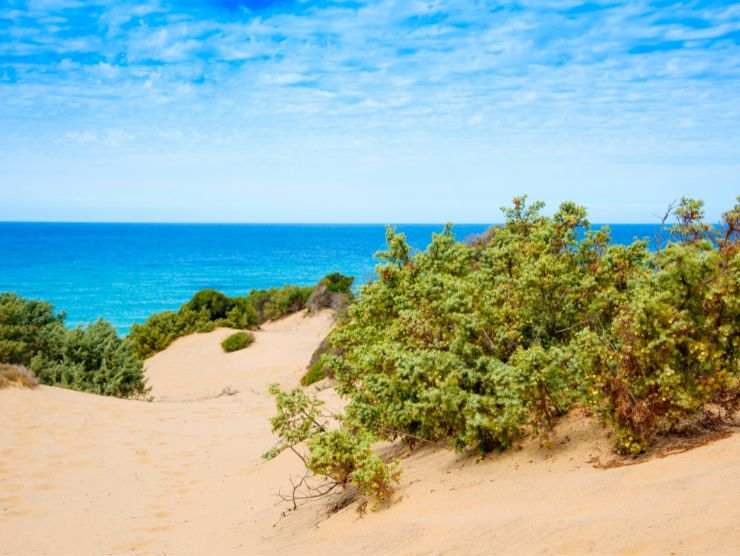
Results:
<point x="86" y="475"/>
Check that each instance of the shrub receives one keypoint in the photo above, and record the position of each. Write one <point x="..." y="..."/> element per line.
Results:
<point x="314" y="374"/>
<point x="157" y="333"/>
<point x="672" y="350"/>
<point x="237" y="341"/>
<point x="436" y="348"/>
<point x="211" y="305"/>
<point x="342" y="456"/>
<point x="209" y="309"/>
<point x="478" y="344"/>
<point x="298" y="418"/>
<point x="91" y="359"/>
<point x="338" y="283"/>
<point x="26" y="328"/>
<point x="276" y="303"/>
<point x="16" y="375"/>
<point x="347" y="457"/>
<point x="203" y="313"/>
<point x="242" y="314"/>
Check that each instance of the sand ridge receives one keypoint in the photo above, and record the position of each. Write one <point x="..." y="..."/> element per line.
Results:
<point x="88" y="475"/>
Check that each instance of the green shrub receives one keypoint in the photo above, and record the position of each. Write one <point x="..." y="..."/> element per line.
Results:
<point x="314" y="374"/>
<point x="672" y="351"/>
<point x="478" y="344"/>
<point x="298" y="418"/>
<point x="347" y="457"/>
<point x="91" y="359"/>
<point x="212" y="305"/>
<point x="276" y="303"/>
<point x="237" y="341"/>
<point x="209" y="309"/>
<point x="157" y="333"/>
<point x="27" y="328"/>
<point x="338" y="283"/>
<point x="203" y="313"/>
<point x="343" y="456"/>
<point x="242" y="314"/>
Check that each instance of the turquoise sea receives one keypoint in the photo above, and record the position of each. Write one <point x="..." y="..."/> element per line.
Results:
<point x="126" y="272"/>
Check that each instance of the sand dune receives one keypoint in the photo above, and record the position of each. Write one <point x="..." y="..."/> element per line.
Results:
<point x="88" y="475"/>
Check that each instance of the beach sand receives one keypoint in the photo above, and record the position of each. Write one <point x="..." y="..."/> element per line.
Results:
<point x="88" y="475"/>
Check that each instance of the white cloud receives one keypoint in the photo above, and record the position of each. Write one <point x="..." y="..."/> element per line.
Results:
<point x="531" y="77"/>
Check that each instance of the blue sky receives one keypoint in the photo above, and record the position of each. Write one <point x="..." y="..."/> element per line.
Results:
<point x="360" y="110"/>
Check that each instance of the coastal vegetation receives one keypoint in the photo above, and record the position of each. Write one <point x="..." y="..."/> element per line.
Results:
<point x="91" y="359"/>
<point x="209" y="309"/>
<point x="338" y="283"/>
<point x="334" y="292"/>
<point x="276" y="303"/>
<point x="237" y="341"/>
<point x="477" y="345"/>
<point x="96" y="359"/>
<point x="342" y="456"/>
<point x="314" y="374"/>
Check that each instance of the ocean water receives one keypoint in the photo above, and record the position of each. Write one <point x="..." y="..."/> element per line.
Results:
<point x="126" y="272"/>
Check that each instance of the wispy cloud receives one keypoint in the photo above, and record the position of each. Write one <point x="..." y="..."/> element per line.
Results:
<point x="615" y="76"/>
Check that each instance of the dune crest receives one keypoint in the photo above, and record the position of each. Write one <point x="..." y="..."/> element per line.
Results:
<point x="89" y="475"/>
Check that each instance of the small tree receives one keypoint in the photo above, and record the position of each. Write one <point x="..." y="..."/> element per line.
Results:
<point x="343" y="458"/>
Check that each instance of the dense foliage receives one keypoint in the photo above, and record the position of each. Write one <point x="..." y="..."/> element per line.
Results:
<point x="209" y="309"/>
<point x="26" y="328"/>
<point x="95" y="359"/>
<point x="91" y="359"/>
<point x="478" y="344"/>
<point x="276" y="303"/>
<point x="237" y="341"/>
<point x="338" y="283"/>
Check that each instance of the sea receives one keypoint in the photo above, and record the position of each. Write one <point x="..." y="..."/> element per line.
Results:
<point x="126" y="272"/>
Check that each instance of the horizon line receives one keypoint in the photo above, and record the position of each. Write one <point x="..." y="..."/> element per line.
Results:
<point x="308" y="223"/>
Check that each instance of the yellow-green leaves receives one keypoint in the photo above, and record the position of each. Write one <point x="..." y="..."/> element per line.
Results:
<point x="477" y="344"/>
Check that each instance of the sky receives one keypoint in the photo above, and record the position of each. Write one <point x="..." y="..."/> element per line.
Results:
<point x="365" y="110"/>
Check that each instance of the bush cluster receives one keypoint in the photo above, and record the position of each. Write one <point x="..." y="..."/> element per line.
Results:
<point x="338" y="283"/>
<point x="237" y="341"/>
<point x="209" y="309"/>
<point x="95" y="359"/>
<point x="203" y="313"/>
<point x="478" y="344"/>
<point x="276" y="303"/>
<point x="90" y="359"/>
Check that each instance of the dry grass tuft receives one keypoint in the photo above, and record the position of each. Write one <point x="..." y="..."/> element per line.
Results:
<point x="15" y="375"/>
